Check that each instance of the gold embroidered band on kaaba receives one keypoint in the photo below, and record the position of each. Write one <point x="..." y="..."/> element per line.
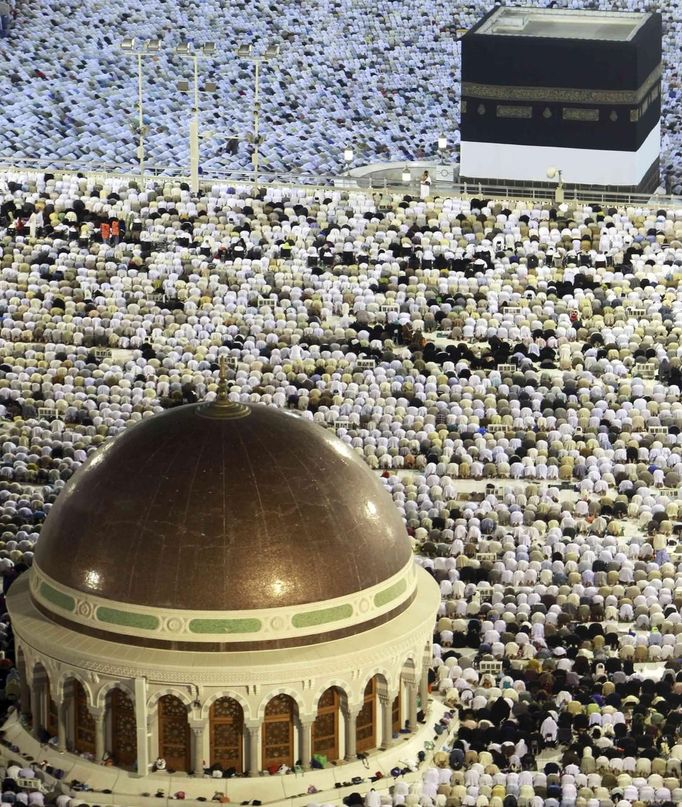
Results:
<point x="569" y="95"/>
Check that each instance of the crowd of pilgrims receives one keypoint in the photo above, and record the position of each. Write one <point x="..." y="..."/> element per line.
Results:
<point x="511" y="370"/>
<point x="381" y="76"/>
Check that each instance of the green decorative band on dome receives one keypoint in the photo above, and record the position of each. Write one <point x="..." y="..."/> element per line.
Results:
<point x="225" y="625"/>
<point x="356" y="612"/>
<point x="390" y="593"/>
<point x="57" y="598"/>
<point x="130" y="619"/>
<point x="324" y="615"/>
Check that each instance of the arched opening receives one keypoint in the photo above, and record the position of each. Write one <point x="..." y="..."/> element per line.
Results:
<point x="122" y="728"/>
<point x="365" y="731"/>
<point x="409" y="684"/>
<point x="226" y="730"/>
<point x="16" y="687"/>
<point x="174" y="733"/>
<point x="326" y="725"/>
<point x="82" y="721"/>
<point x="43" y="708"/>
<point x="40" y="697"/>
<point x="278" y="732"/>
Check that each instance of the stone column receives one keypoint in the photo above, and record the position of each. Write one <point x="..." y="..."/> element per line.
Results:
<point x="98" y="717"/>
<point x="386" y="706"/>
<point x="306" y="744"/>
<point x="351" y="716"/>
<point x="198" y="747"/>
<point x="424" y="689"/>
<point x="153" y="738"/>
<point x="253" y="739"/>
<point x="24" y="697"/>
<point x="141" y="718"/>
<point x="62" y="730"/>
<point x="37" y="706"/>
<point x="412" y="692"/>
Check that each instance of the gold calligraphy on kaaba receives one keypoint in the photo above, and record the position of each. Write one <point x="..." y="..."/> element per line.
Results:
<point x="565" y="95"/>
<point x="580" y="113"/>
<point x="514" y="111"/>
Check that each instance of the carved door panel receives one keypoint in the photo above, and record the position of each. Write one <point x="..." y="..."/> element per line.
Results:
<point x="326" y="725"/>
<point x="123" y="729"/>
<point x="52" y="726"/>
<point x="365" y="731"/>
<point x="83" y="722"/>
<point x="227" y="734"/>
<point x="396" y="711"/>
<point x="278" y="732"/>
<point x="174" y="733"/>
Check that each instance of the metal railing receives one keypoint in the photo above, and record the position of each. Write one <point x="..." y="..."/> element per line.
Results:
<point x="372" y="184"/>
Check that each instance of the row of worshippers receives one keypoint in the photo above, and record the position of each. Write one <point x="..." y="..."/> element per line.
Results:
<point x="294" y="354"/>
<point x="99" y="334"/>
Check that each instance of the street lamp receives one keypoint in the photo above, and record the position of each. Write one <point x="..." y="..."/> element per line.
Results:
<point x="553" y="173"/>
<point x="442" y="144"/>
<point x="348" y="155"/>
<point x="186" y="50"/>
<point x="139" y="49"/>
<point x="245" y="52"/>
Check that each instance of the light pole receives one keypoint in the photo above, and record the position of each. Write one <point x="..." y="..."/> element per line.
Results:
<point x="245" y="52"/>
<point x="186" y="50"/>
<point x="553" y="173"/>
<point x="139" y="49"/>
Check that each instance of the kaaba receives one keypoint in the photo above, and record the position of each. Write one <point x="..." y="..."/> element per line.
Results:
<point x="579" y="91"/>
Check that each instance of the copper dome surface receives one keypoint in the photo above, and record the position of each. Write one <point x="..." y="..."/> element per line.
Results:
<point x="195" y="512"/>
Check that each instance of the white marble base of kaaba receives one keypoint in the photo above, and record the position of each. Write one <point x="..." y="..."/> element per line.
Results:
<point x="506" y="161"/>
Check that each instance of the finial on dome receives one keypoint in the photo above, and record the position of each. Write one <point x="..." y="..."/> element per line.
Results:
<point x="222" y="380"/>
<point x="222" y="406"/>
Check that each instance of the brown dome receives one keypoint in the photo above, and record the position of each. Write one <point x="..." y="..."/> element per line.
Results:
<point x="196" y="511"/>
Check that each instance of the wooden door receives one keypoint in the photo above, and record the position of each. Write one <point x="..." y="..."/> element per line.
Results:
<point x="396" y="721"/>
<point x="326" y="725"/>
<point x="365" y="731"/>
<point x="83" y="722"/>
<point x="123" y="729"/>
<point x="278" y="732"/>
<point x="174" y="733"/>
<point x="52" y="722"/>
<point x="226" y="720"/>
